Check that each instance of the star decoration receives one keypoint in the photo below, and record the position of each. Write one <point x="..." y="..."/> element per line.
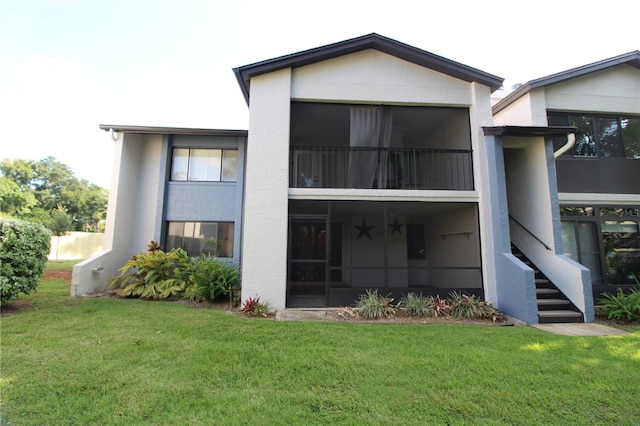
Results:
<point x="364" y="230"/>
<point x="395" y="226"/>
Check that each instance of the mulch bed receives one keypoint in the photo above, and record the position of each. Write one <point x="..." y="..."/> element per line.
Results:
<point x="52" y="275"/>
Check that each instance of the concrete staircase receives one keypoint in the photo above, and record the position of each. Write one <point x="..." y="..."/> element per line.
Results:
<point x="553" y="305"/>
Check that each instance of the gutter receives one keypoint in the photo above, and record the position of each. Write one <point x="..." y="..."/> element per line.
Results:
<point x="571" y="141"/>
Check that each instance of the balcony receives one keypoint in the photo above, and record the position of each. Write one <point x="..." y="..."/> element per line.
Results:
<point x="381" y="168"/>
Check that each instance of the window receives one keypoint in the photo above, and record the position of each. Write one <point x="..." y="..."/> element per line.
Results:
<point x="214" y="239"/>
<point x="599" y="135"/>
<point x="206" y="165"/>
<point x="604" y="239"/>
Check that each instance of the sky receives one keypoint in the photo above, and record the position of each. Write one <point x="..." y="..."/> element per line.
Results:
<point x="68" y="66"/>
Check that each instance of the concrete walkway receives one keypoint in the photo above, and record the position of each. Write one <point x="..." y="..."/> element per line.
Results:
<point x="293" y="314"/>
<point x="580" y="329"/>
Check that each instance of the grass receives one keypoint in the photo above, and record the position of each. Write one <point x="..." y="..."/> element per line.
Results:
<point x="62" y="265"/>
<point x="112" y="361"/>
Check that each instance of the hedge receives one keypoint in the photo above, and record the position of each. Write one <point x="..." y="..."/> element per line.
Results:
<point x="24" y="248"/>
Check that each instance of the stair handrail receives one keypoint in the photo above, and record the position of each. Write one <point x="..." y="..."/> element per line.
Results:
<point x="530" y="233"/>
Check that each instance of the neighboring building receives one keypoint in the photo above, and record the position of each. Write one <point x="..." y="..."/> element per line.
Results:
<point x="599" y="177"/>
<point x="367" y="164"/>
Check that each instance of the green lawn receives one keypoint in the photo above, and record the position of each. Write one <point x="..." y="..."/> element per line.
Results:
<point x="109" y="361"/>
<point x="61" y="265"/>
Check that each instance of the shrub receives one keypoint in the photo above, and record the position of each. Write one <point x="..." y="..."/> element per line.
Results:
<point x="24" y="248"/>
<point x="622" y="306"/>
<point x="417" y="305"/>
<point x="211" y="278"/>
<point x="156" y="274"/>
<point x="471" y="307"/>
<point x="374" y="306"/>
<point x="441" y="307"/>
<point x="253" y="307"/>
<point x="153" y="275"/>
<point x="465" y="306"/>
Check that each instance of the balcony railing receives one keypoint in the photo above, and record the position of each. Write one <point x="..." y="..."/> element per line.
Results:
<point x="380" y="168"/>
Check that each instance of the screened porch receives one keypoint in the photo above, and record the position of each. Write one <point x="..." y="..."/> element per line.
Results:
<point x="339" y="249"/>
<point x="380" y="147"/>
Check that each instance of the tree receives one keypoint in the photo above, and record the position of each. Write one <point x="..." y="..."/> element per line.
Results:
<point x="61" y="223"/>
<point x="53" y="186"/>
<point x="13" y="200"/>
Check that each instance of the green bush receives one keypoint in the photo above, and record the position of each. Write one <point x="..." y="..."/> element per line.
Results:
<point x="211" y="278"/>
<point x="622" y="306"/>
<point x="156" y="274"/>
<point x="24" y="248"/>
<point x="153" y="275"/>
<point x="417" y="305"/>
<point x="374" y="306"/>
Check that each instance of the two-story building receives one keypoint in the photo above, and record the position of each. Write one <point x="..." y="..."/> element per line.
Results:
<point x="368" y="164"/>
<point x="598" y="177"/>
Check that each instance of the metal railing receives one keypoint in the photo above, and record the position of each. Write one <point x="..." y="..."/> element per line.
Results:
<point x="380" y="168"/>
<point x="529" y="232"/>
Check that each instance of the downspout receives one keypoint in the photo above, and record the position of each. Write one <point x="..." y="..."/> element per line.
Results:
<point x="571" y="140"/>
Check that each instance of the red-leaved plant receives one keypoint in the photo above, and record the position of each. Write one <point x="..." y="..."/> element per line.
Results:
<point x="253" y="307"/>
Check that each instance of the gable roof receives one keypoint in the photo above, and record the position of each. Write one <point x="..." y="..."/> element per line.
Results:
<point x="631" y="58"/>
<point x="370" y="41"/>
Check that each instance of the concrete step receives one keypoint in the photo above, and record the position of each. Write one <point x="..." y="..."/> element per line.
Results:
<point x="560" y="315"/>
<point x="552" y="304"/>
<point x="546" y="292"/>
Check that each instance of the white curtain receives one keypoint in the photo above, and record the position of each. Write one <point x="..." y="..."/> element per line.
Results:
<point x="370" y="128"/>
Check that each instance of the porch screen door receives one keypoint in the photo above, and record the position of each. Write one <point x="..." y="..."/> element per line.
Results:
<point x="308" y="261"/>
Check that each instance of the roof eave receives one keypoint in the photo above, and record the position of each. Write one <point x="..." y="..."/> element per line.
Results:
<point x="631" y="58"/>
<point x="153" y="130"/>
<point x="370" y="41"/>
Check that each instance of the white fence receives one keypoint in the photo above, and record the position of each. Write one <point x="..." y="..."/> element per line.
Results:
<point x="76" y="245"/>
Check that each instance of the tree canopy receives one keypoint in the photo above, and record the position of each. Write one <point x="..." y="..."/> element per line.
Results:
<point x="47" y="192"/>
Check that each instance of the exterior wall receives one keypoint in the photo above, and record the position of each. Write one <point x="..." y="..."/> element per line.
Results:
<point x="364" y="77"/>
<point x="209" y="201"/>
<point x="264" y="248"/>
<point x="529" y="110"/>
<point x="134" y="198"/>
<point x="151" y="178"/>
<point x="488" y="168"/>
<point x="587" y="199"/>
<point x="453" y="236"/>
<point x="615" y="90"/>
<point x="371" y="76"/>
<point x="533" y="202"/>
<point x="598" y="175"/>
<point x="509" y="284"/>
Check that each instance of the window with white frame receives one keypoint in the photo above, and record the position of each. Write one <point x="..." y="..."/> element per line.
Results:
<point x="204" y="165"/>
<point x="212" y="239"/>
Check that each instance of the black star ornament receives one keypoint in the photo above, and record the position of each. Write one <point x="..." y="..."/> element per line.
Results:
<point x="364" y="230"/>
<point x="395" y="226"/>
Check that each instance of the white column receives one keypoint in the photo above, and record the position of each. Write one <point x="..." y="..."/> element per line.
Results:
<point x="264" y="247"/>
